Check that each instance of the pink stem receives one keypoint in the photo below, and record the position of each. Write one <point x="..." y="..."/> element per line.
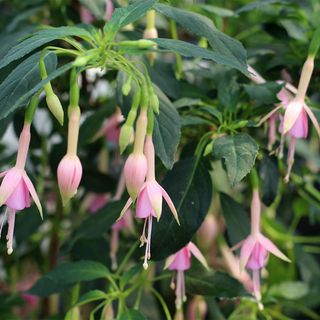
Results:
<point x="24" y="142"/>
<point x="114" y="248"/>
<point x="255" y="212"/>
<point x="11" y="220"/>
<point x="149" y="153"/>
<point x="290" y="159"/>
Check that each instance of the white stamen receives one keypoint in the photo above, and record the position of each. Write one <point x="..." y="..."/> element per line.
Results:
<point x="11" y="220"/>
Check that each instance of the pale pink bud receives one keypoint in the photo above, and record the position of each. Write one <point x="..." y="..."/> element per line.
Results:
<point x="135" y="171"/>
<point x="208" y="231"/>
<point x="69" y="176"/>
<point x="98" y="201"/>
<point x="111" y="128"/>
<point x="109" y="9"/>
<point x="85" y="15"/>
<point x="197" y="309"/>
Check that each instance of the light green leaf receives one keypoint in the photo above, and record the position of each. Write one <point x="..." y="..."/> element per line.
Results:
<point x="90" y="296"/>
<point x="291" y="290"/>
<point x="40" y="38"/>
<point x="14" y="90"/>
<point x="66" y="275"/>
<point x="132" y="314"/>
<point x="222" y="44"/>
<point x="238" y="153"/>
<point x="222" y="12"/>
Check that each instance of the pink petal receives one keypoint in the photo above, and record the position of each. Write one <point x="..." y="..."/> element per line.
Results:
<point x="182" y="260"/>
<point x="271" y="247"/>
<point x="170" y="204"/>
<point x="33" y="193"/>
<point x="169" y="261"/>
<point x="9" y="183"/>
<point x="144" y="207"/>
<point x="125" y="209"/>
<point x="312" y="118"/>
<point x="19" y="198"/>
<point x="291" y="115"/>
<point x="300" y="127"/>
<point x="155" y="197"/>
<point x="2" y="174"/>
<point x="197" y="253"/>
<point x="246" y="251"/>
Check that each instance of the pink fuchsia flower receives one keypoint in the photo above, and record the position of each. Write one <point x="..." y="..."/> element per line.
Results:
<point x="256" y="247"/>
<point x="149" y="203"/>
<point x="208" y="231"/>
<point x="16" y="187"/>
<point x="70" y="168"/>
<point x="180" y="262"/>
<point x="97" y="201"/>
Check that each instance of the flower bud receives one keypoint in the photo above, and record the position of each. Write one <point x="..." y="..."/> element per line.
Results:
<point x="135" y="171"/>
<point x="151" y="33"/>
<point x="126" y="134"/>
<point x="154" y="102"/>
<point x="69" y="176"/>
<point x="126" y="88"/>
<point x="55" y="107"/>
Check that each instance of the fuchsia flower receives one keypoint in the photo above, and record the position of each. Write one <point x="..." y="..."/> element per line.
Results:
<point x="197" y="309"/>
<point x="109" y="10"/>
<point x="16" y="187"/>
<point x="149" y="203"/>
<point x="85" y="15"/>
<point x="256" y="247"/>
<point x="180" y="262"/>
<point x="70" y="168"/>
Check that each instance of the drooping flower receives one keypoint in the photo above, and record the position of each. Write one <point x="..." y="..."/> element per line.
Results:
<point x="180" y="262"/>
<point x="70" y="169"/>
<point x="16" y="187"/>
<point x="256" y="247"/>
<point x="109" y="10"/>
<point x="111" y="127"/>
<point x="149" y="203"/>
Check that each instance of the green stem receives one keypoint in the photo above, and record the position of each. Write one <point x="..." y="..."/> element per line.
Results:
<point x="174" y="35"/>
<point x="127" y="257"/>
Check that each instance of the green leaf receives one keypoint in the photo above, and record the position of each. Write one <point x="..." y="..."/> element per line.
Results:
<point x="166" y="134"/>
<point x="66" y="275"/>
<point x="228" y="90"/>
<point x="222" y="12"/>
<point x="189" y="186"/>
<point x="127" y="276"/>
<point x="132" y="314"/>
<point x="124" y="16"/>
<point x="258" y="5"/>
<point x="291" y="290"/>
<point x="14" y="90"/>
<point x="187" y="49"/>
<point x="40" y="38"/>
<point x="269" y="174"/>
<point x="236" y="217"/>
<point x="203" y="27"/>
<point x="91" y="296"/>
<point x="216" y="284"/>
<point x="264" y="93"/>
<point x="238" y="153"/>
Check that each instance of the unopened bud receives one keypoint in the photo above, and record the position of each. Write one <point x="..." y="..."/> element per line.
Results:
<point x="126" y="134"/>
<point x="154" y="102"/>
<point x="126" y="88"/>
<point x="135" y="171"/>
<point x="150" y="33"/>
<point x="55" y="107"/>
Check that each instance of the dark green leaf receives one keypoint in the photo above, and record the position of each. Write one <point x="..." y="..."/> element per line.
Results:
<point x="66" y="275"/>
<point x="270" y="176"/>
<point x="238" y="153"/>
<point x="132" y="314"/>
<point x="228" y="91"/>
<point x="222" y="12"/>
<point x="95" y="181"/>
<point x="189" y="186"/>
<point x="40" y="38"/>
<point x="258" y="5"/>
<point x="216" y="284"/>
<point x="290" y="290"/>
<point x="166" y="135"/>
<point x="124" y="16"/>
<point x="20" y="81"/>
<point x="262" y="94"/>
<point x="187" y="49"/>
<point x="237" y="221"/>
<point x="203" y="27"/>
